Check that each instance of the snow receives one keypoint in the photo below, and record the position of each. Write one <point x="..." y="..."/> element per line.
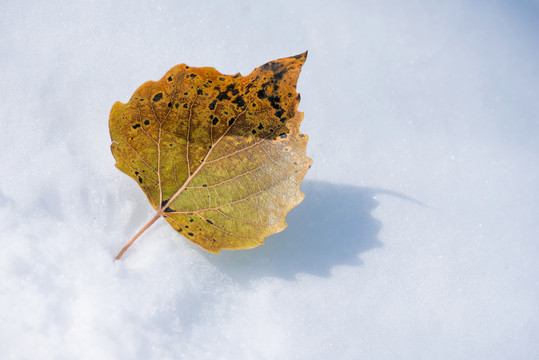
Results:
<point x="418" y="235"/>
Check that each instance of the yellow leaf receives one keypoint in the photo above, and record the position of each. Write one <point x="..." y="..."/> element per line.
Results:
<point x="220" y="157"/>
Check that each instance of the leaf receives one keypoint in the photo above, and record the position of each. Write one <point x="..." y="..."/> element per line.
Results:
<point x="220" y="157"/>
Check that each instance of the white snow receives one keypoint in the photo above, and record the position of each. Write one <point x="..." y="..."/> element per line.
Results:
<point x="418" y="237"/>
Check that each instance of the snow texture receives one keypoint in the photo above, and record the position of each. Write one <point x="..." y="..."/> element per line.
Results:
<point x="418" y="237"/>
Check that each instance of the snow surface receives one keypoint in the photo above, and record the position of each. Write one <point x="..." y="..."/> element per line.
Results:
<point x="418" y="237"/>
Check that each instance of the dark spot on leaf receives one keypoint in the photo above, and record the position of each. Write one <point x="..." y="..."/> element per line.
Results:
<point x="190" y="220"/>
<point x="209" y="222"/>
<point x="298" y="97"/>
<point x="146" y="122"/>
<point x="185" y="93"/>
<point x="253" y="131"/>
<point x="260" y="126"/>
<point x="177" y="105"/>
<point x="158" y="97"/>
<point x="140" y="179"/>
<point x="222" y="78"/>
<point x="223" y="95"/>
<point x="204" y="185"/>
<point x="212" y="105"/>
<point x="274" y="101"/>
<point x="136" y="126"/>
<point x="190" y="234"/>
<point x="169" y="78"/>
<point x="168" y="209"/>
<point x="215" y="121"/>
<point x="273" y="66"/>
<point x="239" y="101"/>
<point x="136" y="173"/>
<point x="279" y="113"/>
<point x="199" y="92"/>
<point x="254" y="105"/>
<point x="279" y="76"/>
<point x="231" y="121"/>
<point x="169" y="104"/>
<point x="192" y="75"/>
<point x="283" y="136"/>
<point x="301" y="136"/>
<point x="261" y="94"/>
<point x="185" y="106"/>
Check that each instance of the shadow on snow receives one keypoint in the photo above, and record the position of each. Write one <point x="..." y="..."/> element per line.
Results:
<point x="332" y="226"/>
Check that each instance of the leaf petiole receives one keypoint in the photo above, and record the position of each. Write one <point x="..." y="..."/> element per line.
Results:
<point x="148" y="224"/>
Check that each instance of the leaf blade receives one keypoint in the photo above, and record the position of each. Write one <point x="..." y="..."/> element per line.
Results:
<point x="223" y="154"/>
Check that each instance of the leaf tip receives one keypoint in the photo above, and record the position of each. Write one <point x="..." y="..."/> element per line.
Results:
<point x="303" y="55"/>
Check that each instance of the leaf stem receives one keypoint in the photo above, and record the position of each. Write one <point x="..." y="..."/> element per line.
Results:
<point x="148" y="224"/>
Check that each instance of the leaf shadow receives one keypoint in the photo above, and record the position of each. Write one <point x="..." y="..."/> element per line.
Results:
<point x="332" y="226"/>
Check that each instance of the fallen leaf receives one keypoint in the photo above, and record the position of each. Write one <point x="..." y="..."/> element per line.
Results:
<point x="220" y="157"/>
